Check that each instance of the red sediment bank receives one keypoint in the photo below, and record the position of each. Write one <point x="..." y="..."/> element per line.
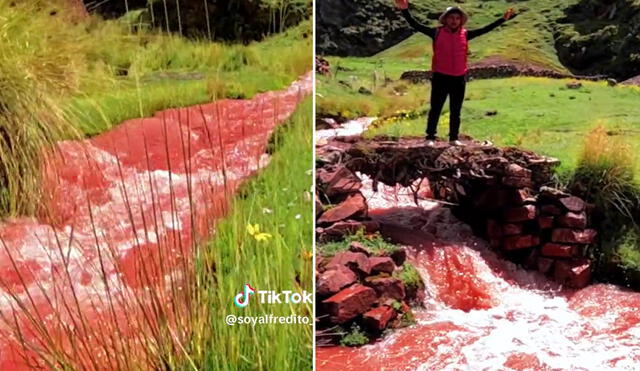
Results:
<point x="108" y="260"/>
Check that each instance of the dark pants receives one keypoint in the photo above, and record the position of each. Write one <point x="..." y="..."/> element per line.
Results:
<point x="441" y="87"/>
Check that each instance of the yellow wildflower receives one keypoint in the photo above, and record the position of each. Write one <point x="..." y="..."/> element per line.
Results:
<point x="254" y="231"/>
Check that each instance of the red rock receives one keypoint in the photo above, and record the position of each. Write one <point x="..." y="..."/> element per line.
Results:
<point x="494" y="230"/>
<point x="343" y="181"/>
<point x="381" y="264"/>
<point x="572" y="203"/>
<point x="324" y="175"/>
<point x="354" y="206"/>
<point x="573" y="220"/>
<point x="545" y="222"/>
<point x="519" y="196"/>
<point x="576" y="274"/>
<point x="378" y="318"/>
<point x="515" y="170"/>
<point x="566" y="235"/>
<point x="519" y="242"/>
<point x="550" y="210"/>
<point x="558" y="251"/>
<point x="334" y="280"/>
<point x="521" y="214"/>
<point x="512" y="229"/>
<point x="319" y="208"/>
<point x="350" y="302"/>
<point x="517" y="182"/>
<point x="389" y="287"/>
<point x="356" y="261"/>
<point x="340" y="229"/>
<point x="545" y="265"/>
<point x="356" y="246"/>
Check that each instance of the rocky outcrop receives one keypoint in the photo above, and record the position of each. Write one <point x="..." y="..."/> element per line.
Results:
<point x="359" y="27"/>
<point x="600" y="37"/>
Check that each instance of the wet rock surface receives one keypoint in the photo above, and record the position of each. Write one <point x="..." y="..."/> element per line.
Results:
<point x="503" y="193"/>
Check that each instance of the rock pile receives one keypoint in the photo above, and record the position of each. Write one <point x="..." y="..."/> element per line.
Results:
<point x="500" y="71"/>
<point x="503" y="193"/>
<point x="358" y="286"/>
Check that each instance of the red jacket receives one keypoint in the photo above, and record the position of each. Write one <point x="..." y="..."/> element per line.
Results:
<point x="450" y="52"/>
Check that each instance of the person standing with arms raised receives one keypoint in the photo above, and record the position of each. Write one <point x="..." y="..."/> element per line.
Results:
<point x="449" y="64"/>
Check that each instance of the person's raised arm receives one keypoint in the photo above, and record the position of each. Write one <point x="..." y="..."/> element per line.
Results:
<point x="509" y="14"/>
<point x="403" y="5"/>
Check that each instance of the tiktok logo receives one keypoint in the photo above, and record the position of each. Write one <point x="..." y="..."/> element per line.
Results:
<point x="242" y="299"/>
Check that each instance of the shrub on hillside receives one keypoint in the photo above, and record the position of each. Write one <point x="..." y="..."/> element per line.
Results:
<point x="605" y="177"/>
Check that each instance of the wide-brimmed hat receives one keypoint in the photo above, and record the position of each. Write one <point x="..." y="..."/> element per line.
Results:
<point x="454" y="9"/>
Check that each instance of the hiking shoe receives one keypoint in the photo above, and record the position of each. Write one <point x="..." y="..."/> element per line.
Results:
<point x="431" y="142"/>
<point x="457" y="143"/>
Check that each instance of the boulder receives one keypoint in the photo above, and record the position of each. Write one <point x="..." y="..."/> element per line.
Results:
<point x="566" y="235"/>
<point x="520" y="214"/>
<point x="356" y="246"/>
<point x="576" y="273"/>
<point x="558" y="250"/>
<point x="356" y="261"/>
<point x="573" y="220"/>
<point x="545" y="222"/>
<point x="378" y="318"/>
<point x="515" y="170"/>
<point x="381" y="264"/>
<point x="334" y="280"/>
<point x="343" y="181"/>
<point x="387" y="287"/>
<point x="354" y="206"/>
<point x="349" y="303"/>
<point x="572" y="203"/>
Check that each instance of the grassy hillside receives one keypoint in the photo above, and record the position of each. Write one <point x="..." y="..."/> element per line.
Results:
<point x="593" y="130"/>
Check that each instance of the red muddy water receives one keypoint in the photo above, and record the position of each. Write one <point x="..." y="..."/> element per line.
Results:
<point x="484" y="313"/>
<point x="105" y="261"/>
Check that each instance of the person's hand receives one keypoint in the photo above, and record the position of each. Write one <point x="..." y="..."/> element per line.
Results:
<point x="510" y="13"/>
<point x="402" y="4"/>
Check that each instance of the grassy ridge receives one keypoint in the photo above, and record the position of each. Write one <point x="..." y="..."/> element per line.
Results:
<point x="279" y="202"/>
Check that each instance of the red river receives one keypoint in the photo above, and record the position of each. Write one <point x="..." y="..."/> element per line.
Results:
<point x="90" y="280"/>
<point x="484" y="313"/>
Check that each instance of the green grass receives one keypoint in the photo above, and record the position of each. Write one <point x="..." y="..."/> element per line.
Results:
<point x="280" y="203"/>
<point x="538" y="114"/>
<point x="65" y="79"/>
<point x="527" y="38"/>
<point x="374" y="243"/>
